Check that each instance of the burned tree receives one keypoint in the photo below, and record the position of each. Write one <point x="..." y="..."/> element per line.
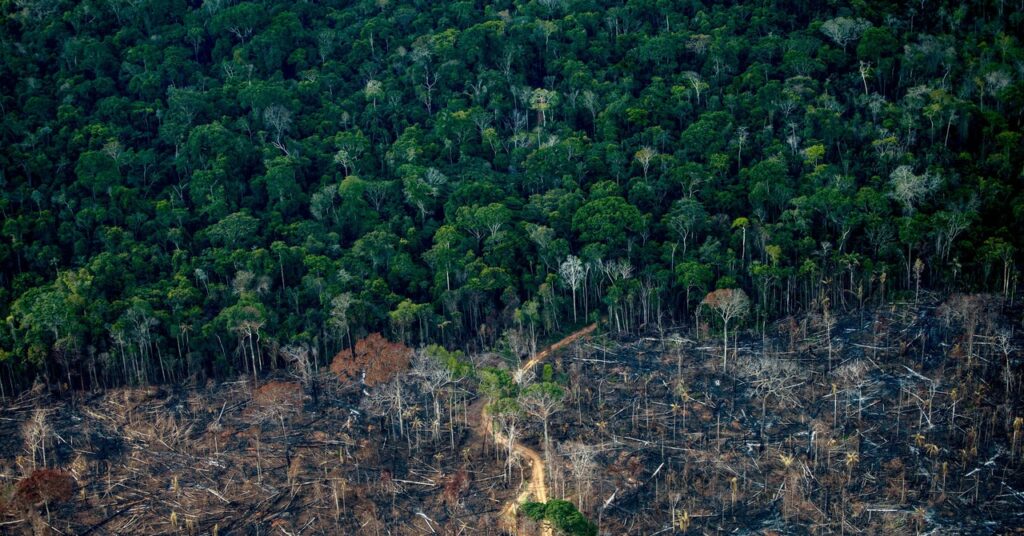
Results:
<point x="277" y="401"/>
<point x="971" y="311"/>
<point x="729" y="303"/>
<point x="273" y="401"/>
<point x="581" y="456"/>
<point x="42" y="488"/>
<point x="542" y="401"/>
<point x="373" y="361"/>
<point x="35" y="433"/>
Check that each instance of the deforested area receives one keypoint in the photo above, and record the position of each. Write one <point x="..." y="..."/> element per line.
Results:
<point x="901" y="419"/>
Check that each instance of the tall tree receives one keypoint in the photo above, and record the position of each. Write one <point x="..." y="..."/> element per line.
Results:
<point x="729" y="304"/>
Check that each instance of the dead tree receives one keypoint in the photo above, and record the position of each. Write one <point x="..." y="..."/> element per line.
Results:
<point x="729" y="303"/>
<point x="542" y="401"/>
<point x="373" y="361"/>
<point x="581" y="456"/>
<point x="35" y="432"/>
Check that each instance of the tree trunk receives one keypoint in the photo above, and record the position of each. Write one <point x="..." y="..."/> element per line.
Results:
<point x="725" y="345"/>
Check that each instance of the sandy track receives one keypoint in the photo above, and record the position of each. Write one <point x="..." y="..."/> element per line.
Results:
<point x="537" y="487"/>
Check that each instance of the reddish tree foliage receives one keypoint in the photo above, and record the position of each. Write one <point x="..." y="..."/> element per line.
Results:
<point x="729" y="303"/>
<point x="278" y="393"/>
<point x="377" y="357"/>
<point x="456" y="487"/>
<point x="276" y="400"/>
<point x="44" y="486"/>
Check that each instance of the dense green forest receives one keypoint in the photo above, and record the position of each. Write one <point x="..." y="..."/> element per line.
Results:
<point x="191" y="189"/>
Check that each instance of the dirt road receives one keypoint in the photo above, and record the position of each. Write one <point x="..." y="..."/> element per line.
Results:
<point x="537" y="487"/>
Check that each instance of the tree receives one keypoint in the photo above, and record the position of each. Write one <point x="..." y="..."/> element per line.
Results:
<point x="543" y="100"/>
<point x="445" y="255"/>
<point x="909" y="189"/>
<point x="543" y="400"/>
<point x="697" y="84"/>
<point x="609" y="221"/>
<point x="481" y="221"/>
<point x="374" y="360"/>
<point x="582" y="459"/>
<point x="143" y="161"/>
<point x="35" y="433"/>
<point x="729" y="303"/>
<point x="246" y="319"/>
<point x="686" y="219"/>
<point x="277" y="400"/>
<point x="374" y="90"/>
<point x="405" y="314"/>
<point x="693" y="275"/>
<point x="505" y="414"/>
<point x="742" y="224"/>
<point x="234" y="230"/>
<point x="644" y="156"/>
<point x="572" y="273"/>
<point x="563" y="515"/>
<point x="43" y="487"/>
<point x="843" y="30"/>
<point x="951" y="223"/>
<point x="996" y="249"/>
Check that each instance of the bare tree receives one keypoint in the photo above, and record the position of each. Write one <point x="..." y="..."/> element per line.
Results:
<point x="973" y="311"/>
<point x="433" y="377"/>
<point x="696" y="83"/>
<point x="829" y="320"/>
<point x="954" y="222"/>
<point x="850" y="376"/>
<point x="339" y="319"/>
<point x="770" y="377"/>
<point x="644" y="156"/>
<point x="297" y="356"/>
<point x="542" y="401"/>
<point x="572" y="272"/>
<point x="581" y="456"/>
<point x="1005" y="342"/>
<point x="279" y="119"/>
<point x="909" y="189"/>
<point x="505" y="414"/>
<point x="729" y="303"/>
<point x="864" y="69"/>
<point x="742" y="135"/>
<point x="843" y="30"/>
<point x="34" y="433"/>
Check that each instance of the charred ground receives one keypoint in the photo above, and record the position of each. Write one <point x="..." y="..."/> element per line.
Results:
<point x="901" y="419"/>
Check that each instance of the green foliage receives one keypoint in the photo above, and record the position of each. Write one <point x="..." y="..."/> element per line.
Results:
<point x="609" y="221"/>
<point x="452" y="360"/>
<point x="213" y="177"/>
<point x="497" y="384"/>
<point x="563" y="515"/>
<point x="545" y="390"/>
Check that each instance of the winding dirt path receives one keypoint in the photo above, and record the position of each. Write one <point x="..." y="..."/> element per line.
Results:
<point x="537" y="487"/>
